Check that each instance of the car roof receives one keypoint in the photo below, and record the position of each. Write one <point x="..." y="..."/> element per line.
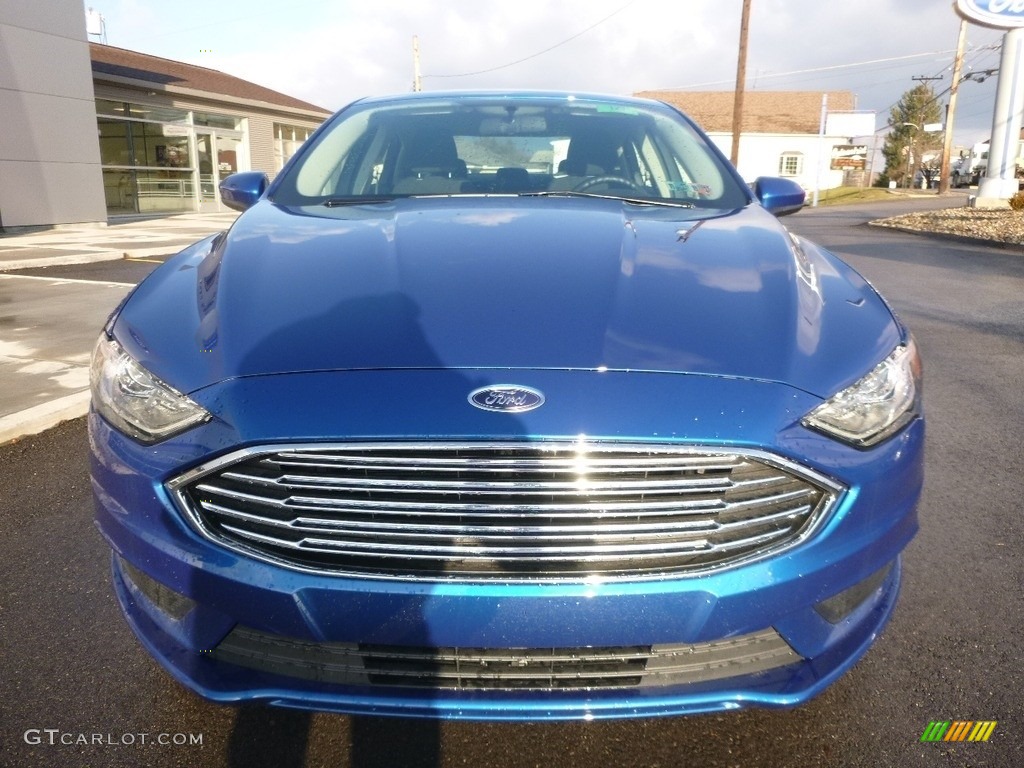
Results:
<point x="511" y="94"/>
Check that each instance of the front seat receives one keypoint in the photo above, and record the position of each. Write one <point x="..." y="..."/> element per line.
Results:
<point x="590" y="155"/>
<point x="429" y="163"/>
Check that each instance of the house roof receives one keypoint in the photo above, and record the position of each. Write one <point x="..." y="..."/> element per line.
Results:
<point x="763" y="111"/>
<point x="157" y="72"/>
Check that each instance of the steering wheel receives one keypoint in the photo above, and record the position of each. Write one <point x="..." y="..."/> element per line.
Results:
<point x="621" y="180"/>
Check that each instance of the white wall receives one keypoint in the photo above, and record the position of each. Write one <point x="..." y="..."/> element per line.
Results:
<point x="760" y="154"/>
<point x="49" y="155"/>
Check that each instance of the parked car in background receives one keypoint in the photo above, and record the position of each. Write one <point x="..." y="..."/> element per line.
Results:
<point x="507" y="406"/>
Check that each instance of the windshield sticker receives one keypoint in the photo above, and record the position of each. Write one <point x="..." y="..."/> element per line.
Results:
<point x="688" y="189"/>
<point x="618" y="109"/>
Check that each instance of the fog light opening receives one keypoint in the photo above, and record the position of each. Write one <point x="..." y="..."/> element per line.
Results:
<point x="172" y="603"/>
<point x="837" y="608"/>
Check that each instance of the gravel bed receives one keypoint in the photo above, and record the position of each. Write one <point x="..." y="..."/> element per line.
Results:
<point x="999" y="225"/>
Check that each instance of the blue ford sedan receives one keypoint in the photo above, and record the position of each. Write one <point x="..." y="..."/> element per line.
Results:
<point x="507" y="406"/>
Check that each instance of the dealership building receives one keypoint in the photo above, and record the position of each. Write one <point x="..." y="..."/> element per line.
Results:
<point x="90" y="131"/>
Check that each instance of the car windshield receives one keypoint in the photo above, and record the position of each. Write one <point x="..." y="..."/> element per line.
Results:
<point x="509" y="145"/>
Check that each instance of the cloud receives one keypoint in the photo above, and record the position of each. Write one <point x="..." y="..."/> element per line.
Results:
<point x="330" y="52"/>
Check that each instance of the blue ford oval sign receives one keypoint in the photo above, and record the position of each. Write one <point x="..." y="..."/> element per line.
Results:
<point x="506" y="398"/>
<point x="1002" y="14"/>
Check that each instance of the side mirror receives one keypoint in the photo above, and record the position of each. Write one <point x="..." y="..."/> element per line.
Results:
<point x="779" y="196"/>
<point x="242" y="190"/>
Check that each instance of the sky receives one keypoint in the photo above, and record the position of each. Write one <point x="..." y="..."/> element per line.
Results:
<point x="331" y="52"/>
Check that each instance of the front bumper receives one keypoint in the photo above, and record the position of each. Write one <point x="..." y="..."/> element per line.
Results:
<point x="313" y="618"/>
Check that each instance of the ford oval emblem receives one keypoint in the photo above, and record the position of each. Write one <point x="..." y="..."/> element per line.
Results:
<point x="1001" y="14"/>
<point x="506" y="398"/>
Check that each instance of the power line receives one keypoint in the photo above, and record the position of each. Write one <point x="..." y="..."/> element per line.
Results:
<point x="985" y="50"/>
<point x="981" y="55"/>
<point x="540" y="53"/>
<point x="813" y="70"/>
<point x="936" y="96"/>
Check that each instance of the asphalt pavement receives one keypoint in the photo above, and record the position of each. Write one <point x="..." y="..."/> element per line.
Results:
<point x="44" y="356"/>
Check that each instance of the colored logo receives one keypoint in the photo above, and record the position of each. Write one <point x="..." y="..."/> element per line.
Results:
<point x="507" y="398"/>
<point x="1001" y="14"/>
<point x="958" y="730"/>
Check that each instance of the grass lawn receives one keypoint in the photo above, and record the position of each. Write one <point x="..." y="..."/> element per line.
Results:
<point x="843" y="195"/>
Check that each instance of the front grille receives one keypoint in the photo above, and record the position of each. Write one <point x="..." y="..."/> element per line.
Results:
<point x="505" y="669"/>
<point x="510" y="510"/>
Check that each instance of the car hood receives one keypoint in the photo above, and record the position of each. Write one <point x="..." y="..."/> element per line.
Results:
<point x="507" y="283"/>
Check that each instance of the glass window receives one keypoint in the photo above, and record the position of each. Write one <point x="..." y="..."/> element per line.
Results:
<point x="115" y="147"/>
<point x="119" y="190"/>
<point x="791" y="164"/>
<point x="160" y="114"/>
<point x="511" y="145"/>
<point x="129" y="190"/>
<point x="107" y="107"/>
<point x="287" y="140"/>
<point x="146" y="165"/>
<point x="141" y="111"/>
<point x="169" y="190"/>
<point x="216" y="121"/>
<point x="163" y="146"/>
<point x="126" y="142"/>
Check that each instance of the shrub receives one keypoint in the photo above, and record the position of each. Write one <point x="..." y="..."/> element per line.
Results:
<point x="1017" y="202"/>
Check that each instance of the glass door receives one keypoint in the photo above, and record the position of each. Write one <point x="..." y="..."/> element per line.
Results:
<point x="217" y="156"/>
<point x="208" y="199"/>
<point x="228" y="150"/>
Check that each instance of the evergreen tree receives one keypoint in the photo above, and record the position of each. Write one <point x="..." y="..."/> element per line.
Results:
<point x="908" y="148"/>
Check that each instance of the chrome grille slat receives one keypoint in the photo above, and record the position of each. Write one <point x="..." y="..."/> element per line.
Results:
<point x="476" y="550"/>
<point x="484" y="531"/>
<point x="549" y="510"/>
<point x="605" y="509"/>
<point x="349" y="461"/>
<point x="604" y="512"/>
<point x="385" y="507"/>
<point x="488" y="533"/>
<point x="483" y="488"/>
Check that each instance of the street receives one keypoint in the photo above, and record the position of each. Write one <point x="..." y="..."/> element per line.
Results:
<point x="78" y="690"/>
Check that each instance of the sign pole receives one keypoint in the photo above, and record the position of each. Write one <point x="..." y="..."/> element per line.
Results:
<point x="1000" y="182"/>
<point x="821" y="148"/>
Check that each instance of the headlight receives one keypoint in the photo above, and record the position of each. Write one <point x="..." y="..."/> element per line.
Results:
<point x="134" y="400"/>
<point x="877" y="406"/>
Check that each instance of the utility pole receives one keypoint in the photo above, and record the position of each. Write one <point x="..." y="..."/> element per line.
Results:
<point x="741" y="77"/>
<point x="417" y="79"/>
<point x="947" y="136"/>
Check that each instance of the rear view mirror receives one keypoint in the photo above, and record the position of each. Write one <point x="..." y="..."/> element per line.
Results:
<point x="241" y="190"/>
<point x="523" y="125"/>
<point x="779" y="196"/>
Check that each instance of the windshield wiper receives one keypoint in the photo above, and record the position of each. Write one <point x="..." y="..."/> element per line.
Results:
<point x="338" y="202"/>
<point x="620" y="198"/>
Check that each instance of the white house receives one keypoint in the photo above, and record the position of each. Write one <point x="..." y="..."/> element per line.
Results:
<point x="781" y="133"/>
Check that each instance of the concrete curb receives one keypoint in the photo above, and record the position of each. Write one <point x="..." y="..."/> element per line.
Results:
<point x="60" y="261"/>
<point x="40" y="418"/>
<point x="88" y="258"/>
<point x="951" y="236"/>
